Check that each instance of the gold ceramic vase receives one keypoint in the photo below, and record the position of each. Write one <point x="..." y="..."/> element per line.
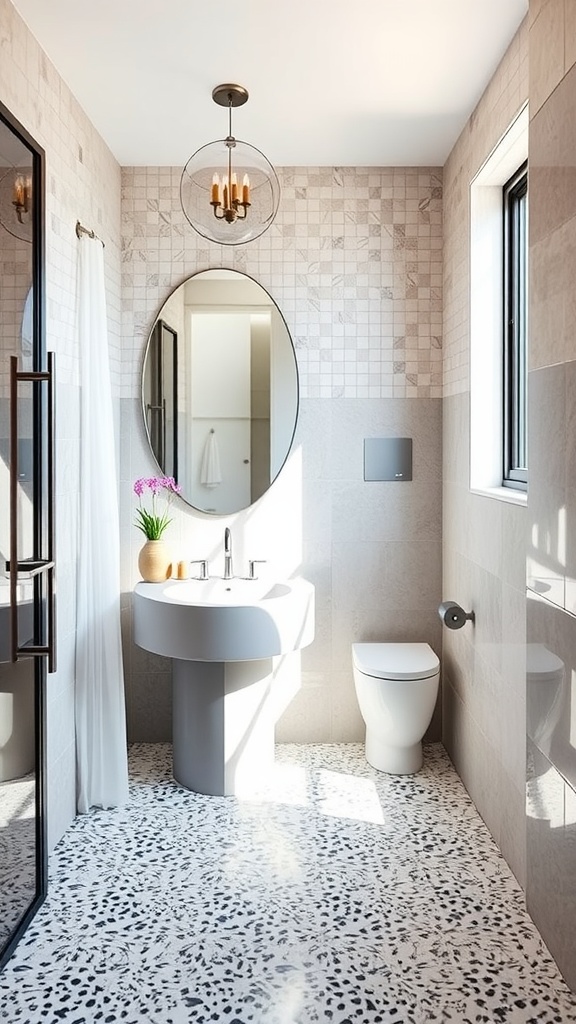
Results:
<point x="154" y="561"/>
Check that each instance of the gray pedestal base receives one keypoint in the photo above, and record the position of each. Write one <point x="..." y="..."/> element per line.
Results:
<point x="223" y="732"/>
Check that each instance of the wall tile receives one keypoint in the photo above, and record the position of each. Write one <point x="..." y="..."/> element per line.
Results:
<point x="551" y="863"/>
<point x="514" y="541"/>
<point x="546" y="554"/>
<point x="500" y="803"/>
<point x="501" y="101"/>
<point x="546" y="51"/>
<point x="365" y="317"/>
<point x="552" y="301"/>
<point x="456" y="429"/>
<point x="569" y="35"/>
<point x="550" y="695"/>
<point x="552" y="157"/>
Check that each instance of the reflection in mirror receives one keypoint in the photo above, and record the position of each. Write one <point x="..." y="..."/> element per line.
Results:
<point x="19" y="851"/>
<point x="17" y="792"/>
<point x="220" y="390"/>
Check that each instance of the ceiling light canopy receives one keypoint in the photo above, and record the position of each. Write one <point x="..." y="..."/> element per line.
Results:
<point x="229" y="190"/>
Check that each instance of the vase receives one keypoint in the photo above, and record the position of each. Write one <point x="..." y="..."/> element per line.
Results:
<point x="154" y="561"/>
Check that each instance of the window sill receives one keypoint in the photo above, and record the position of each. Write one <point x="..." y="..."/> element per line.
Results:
<point x="508" y="494"/>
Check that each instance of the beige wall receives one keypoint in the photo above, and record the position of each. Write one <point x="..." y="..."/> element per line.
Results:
<point x="551" y="562"/>
<point x="484" y="547"/>
<point x="82" y="182"/>
<point x="354" y="260"/>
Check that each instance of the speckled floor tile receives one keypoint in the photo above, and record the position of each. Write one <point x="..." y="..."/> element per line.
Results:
<point x="328" y="893"/>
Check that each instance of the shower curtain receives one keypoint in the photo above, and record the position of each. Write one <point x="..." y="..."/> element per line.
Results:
<point x="101" y="753"/>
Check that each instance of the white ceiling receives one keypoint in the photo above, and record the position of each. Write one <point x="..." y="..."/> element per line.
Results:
<point x="331" y="82"/>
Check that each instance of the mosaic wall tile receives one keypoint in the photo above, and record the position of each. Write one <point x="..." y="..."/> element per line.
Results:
<point x="353" y="259"/>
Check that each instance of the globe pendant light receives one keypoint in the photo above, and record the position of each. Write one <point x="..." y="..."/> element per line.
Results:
<point x="229" y="191"/>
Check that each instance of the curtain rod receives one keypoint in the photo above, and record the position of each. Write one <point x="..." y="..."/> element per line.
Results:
<point x="81" y="230"/>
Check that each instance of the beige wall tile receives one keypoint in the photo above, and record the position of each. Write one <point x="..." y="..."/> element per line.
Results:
<point x="569" y="34"/>
<point x="552" y="159"/>
<point x="502" y="100"/>
<point x="552" y="298"/>
<point x="546" y="51"/>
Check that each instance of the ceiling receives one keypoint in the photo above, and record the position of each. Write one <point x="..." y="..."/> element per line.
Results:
<point x="364" y="83"/>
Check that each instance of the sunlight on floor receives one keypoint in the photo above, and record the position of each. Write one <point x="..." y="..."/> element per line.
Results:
<point x="335" y="794"/>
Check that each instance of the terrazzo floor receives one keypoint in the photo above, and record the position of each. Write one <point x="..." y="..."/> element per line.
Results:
<point x="330" y="893"/>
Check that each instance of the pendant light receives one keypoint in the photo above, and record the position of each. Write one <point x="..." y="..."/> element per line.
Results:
<point x="229" y="190"/>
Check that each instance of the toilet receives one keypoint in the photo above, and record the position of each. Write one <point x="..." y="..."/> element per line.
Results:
<point x="546" y="686"/>
<point x="396" y="686"/>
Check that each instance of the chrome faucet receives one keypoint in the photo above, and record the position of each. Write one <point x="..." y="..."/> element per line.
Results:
<point x="228" y="572"/>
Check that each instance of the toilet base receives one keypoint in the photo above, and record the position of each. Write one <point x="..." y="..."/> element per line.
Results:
<point x="393" y="760"/>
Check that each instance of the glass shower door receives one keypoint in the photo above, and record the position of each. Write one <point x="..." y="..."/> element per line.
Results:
<point x="25" y="587"/>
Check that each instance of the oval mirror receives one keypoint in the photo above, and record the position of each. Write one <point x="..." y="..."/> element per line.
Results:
<point x="220" y="390"/>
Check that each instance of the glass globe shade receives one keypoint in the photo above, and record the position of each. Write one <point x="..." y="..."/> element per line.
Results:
<point x="196" y="186"/>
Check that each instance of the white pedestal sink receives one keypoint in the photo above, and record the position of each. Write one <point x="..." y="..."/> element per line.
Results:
<point x="222" y="636"/>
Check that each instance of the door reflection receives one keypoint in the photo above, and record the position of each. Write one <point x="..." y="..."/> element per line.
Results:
<point x="17" y="794"/>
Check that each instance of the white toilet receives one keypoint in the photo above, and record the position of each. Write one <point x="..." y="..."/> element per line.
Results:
<point x="396" y="686"/>
<point x="546" y="686"/>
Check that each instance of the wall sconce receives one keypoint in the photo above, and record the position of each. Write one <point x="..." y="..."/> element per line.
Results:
<point x="16" y="205"/>
<point x="229" y="190"/>
<point x="22" y="196"/>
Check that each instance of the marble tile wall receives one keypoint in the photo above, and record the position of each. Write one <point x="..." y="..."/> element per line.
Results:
<point x="551" y="554"/>
<point x="354" y="260"/>
<point x="83" y="182"/>
<point x="484" y="545"/>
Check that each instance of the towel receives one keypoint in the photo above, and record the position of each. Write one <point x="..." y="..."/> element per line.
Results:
<point x="210" y="475"/>
<point x="28" y="331"/>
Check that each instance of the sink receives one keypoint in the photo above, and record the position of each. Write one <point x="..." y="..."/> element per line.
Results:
<point x="222" y="636"/>
<point x="224" y="620"/>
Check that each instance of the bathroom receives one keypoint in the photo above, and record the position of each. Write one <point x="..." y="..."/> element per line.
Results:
<point x="371" y="365"/>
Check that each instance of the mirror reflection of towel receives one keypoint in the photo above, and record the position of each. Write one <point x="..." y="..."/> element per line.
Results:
<point x="210" y="475"/>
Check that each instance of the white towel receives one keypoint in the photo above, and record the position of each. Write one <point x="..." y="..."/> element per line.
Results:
<point x="210" y="475"/>
<point x="28" y="331"/>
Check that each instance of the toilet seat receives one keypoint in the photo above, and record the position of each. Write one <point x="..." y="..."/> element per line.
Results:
<point x="395" y="661"/>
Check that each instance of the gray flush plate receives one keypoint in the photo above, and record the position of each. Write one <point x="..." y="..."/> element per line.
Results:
<point x="388" y="458"/>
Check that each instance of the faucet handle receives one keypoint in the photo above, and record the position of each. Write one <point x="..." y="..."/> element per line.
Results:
<point x="251" y="567"/>
<point x="203" y="563"/>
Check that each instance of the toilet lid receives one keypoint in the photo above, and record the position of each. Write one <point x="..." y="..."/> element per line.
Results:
<point x="542" y="664"/>
<point x="395" y="661"/>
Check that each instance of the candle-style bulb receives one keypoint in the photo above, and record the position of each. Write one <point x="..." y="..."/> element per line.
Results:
<point x="19" y="191"/>
<point x="245" y="189"/>
<point x="215" y="189"/>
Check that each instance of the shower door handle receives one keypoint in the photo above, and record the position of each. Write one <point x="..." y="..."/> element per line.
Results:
<point x="33" y="568"/>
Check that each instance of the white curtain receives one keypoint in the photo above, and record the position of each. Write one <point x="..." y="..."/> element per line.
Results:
<point x="101" y="753"/>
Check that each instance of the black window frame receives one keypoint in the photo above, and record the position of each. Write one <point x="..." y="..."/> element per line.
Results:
<point x="515" y="333"/>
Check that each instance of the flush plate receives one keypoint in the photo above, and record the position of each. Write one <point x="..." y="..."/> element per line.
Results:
<point x="388" y="458"/>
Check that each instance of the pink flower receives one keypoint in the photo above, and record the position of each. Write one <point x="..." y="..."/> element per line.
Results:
<point x="170" y="484"/>
<point x="154" y="523"/>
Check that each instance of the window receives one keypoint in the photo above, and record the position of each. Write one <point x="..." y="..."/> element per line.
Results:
<point x="515" y="209"/>
<point x="498" y="314"/>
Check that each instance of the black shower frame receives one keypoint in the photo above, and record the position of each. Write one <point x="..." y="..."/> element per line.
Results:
<point x="39" y="518"/>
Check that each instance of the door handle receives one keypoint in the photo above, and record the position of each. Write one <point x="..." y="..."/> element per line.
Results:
<point x="37" y="566"/>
